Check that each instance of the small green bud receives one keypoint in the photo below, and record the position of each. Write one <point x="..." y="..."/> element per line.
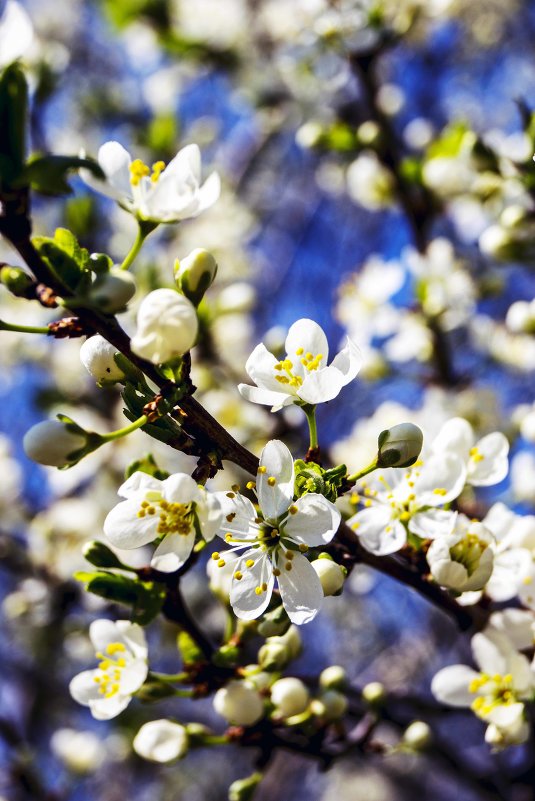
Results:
<point x="244" y="789"/>
<point x="274" y="655"/>
<point x="111" y="291"/>
<point x="333" y="678"/>
<point x="399" y="446"/>
<point x="195" y="273"/>
<point x="274" y="623"/>
<point x="154" y="689"/>
<point x="330" y="574"/>
<point x="99" y="555"/>
<point x="374" y="692"/>
<point x="331" y="705"/>
<point x="226" y="656"/>
<point x="417" y="736"/>
<point x="16" y="280"/>
<point x="100" y="263"/>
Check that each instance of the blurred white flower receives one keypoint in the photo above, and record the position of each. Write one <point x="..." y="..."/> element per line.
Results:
<point x="161" y="741"/>
<point x="16" y="32"/>
<point x="486" y="460"/>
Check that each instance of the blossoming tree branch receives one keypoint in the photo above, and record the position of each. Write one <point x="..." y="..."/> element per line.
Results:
<point x="290" y="534"/>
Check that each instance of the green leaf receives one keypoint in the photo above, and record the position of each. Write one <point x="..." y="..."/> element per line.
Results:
<point x="189" y="650"/>
<point x="65" y="257"/>
<point x="48" y="174"/>
<point x="144" y="597"/>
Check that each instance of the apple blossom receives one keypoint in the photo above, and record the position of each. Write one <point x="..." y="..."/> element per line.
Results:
<point x="496" y="693"/>
<point x="159" y="195"/>
<point x="166" y="326"/>
<point x="122" y="649"/>
<point x="303" y="376"/>
<point x="274" y="542"/>
<point x="170" y="510"/>
<point x="397" y="502"/>
<point x="486" y="460"/>
<point x="462" y="560"/>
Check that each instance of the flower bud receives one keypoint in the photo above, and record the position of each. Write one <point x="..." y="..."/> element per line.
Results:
<point x="53" y="443"/>
<point x="80" y="751"/>
<point x="112" y="290"/>
<point x="98" y="357"/>
<point x="161" y="741"/>
<point x="331" y="705"/>
<point x="240" y="703"/>
<point x="374" y="692"/>
<point x="274" y="623"/>
<point x="166" y="326"/>
<point x="274" y="654"/>
<point x="290" y="696"/>
<point x="520" y="317"/>
<point x="418" y="735"/>
<point x="244" y="789"/>
<point x="259" y="678"/>
<point x="333" y="678"/>
<point x="330" y="574"/>
<point x="399" y="446"/>
<point x="195" y="273"/>
<point x="16" y="280"/>
<point x="99" y="555"/>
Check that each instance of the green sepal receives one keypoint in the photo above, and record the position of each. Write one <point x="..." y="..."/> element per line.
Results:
<point x="227" y="656"/>
<point x="13" y="125"/>
<point x="189" y="650"/>
<point x="311" y="477"/>
<point x="244" y="789"/>
<point x="100" y="263"/>
<point x="146" y="464"/>
<point x="48" y="174"/>
<point x="274" y="623"/>
<point x="154" y="689"/>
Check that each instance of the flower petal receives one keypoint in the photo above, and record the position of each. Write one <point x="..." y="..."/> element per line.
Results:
<point x="315" y="522"/>
<point x="490" y="464"/>
<point x="137" y="482"/>
<point x="377" y="532"/>
<point x="450" y="685"/>
<point x="348" y="361"/>
<point x="490" y="650"/>
<point x="455" y="436"/>
<point x="320" y="386"/>
<point x="83" y="687"/>
<point x="172" y="552"/>
<point x="115" y="163"/>
<point x="181" y="488"/>
<point x="125" y="529"/>
<point x="260" y="367"/>
<point x="237" y="515"/>
<point x="440" y="479"/>
<point x="265" y="396"/>
<point x="209" y="515"/>
<point x="275" y="480"/>
<point x="432" y="523"/>
<point x="306" y="335"/>
<point x="107" y="708"/>
<point x="245" y="601"/>
<point x="300" y="588"/>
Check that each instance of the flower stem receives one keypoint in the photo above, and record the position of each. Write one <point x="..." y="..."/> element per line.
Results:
<point x="310" y="412"/>
<point x="172" y="678"/>
<point x="142" y="234"/>
<point x="23" y="329"/>
<point x="364" y="472"/>
<point x="123" y="432"/>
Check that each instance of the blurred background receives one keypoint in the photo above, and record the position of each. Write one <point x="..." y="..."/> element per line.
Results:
<point x="376" y="160"/>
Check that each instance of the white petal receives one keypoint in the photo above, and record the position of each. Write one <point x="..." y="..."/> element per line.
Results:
<point x="209" y="192"/>
<point x="455" y="436"/>
<point x="172" y="552"/>
<point x="320" y="386"/>
<point x="494" y="464"/>
<point x="139" y="481"/>
<point x="125" y="529"/>
<point x="315" y="522"/>
<point x="510" y="569"/>
<point x="161" y="741"/>
<point x="440" y="479"/>
<point x="450" y="685"/>
<point x="260" y="367"/>
<point x="107" y="708"/>
<point x="348" y="361"/>
<point x="83" y="688"/>
<point x="265" y="396"/>
<point x="246" y="603"/>
<point x="377" y="532"/>
<point x="237" y="515"/>
<point x="308" y="335"/>
<point x="209" y="515"/>
<point x="276" y="464"/>
<point x="132" y="677"/>
<point x="115" y="163"/>
<point x="432" y="523"/>
<point x="300" y="588"/>
<point x="16" y="32"/>
<point x="134" y="637"/>
<point x="490" y="650"/>
<point x="517" y="624"/>
<point x="506" y="715"/>
<point x="181" y="488"/>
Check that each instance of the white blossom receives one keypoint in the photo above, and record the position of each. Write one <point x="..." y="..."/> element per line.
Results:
<point x="462" y="560"/>
<point x="16" y="33"/>
<point x="167" y="510"/>
<point x="273" y="543"/>
<point x="161" y="741"/>
<point x="496" y="693"/>
<point x="161" y="194"/>
<point x="240" y="703"/>
<point x="122" y="650"/>
<point x="486" y="460"/>
<point x="303" y="376"/>
<point x="166" y="326"/>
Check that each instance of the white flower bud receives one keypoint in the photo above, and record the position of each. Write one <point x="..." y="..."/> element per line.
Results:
<point x="274" y="654"/>
<point x="290" y="696"/>
<point x="259" y="678"/>
<point x="374" y="692"/>
<point x="240" y="703"/>
<point x="112" y="290"/>
<point x="418" y="735"/>
<point x="97" y="356"/>
<point x="331" y="705"/>
<point x="400" y="445"/>
<point x="333" y="678"/>
<point x="161" y="741"/>
<point x="51" y="443"/>
<point x="330" y="574"/>
<point x="80" y="751"/>
<point x="195" y="273"/>
<point x="166" y="326"/>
